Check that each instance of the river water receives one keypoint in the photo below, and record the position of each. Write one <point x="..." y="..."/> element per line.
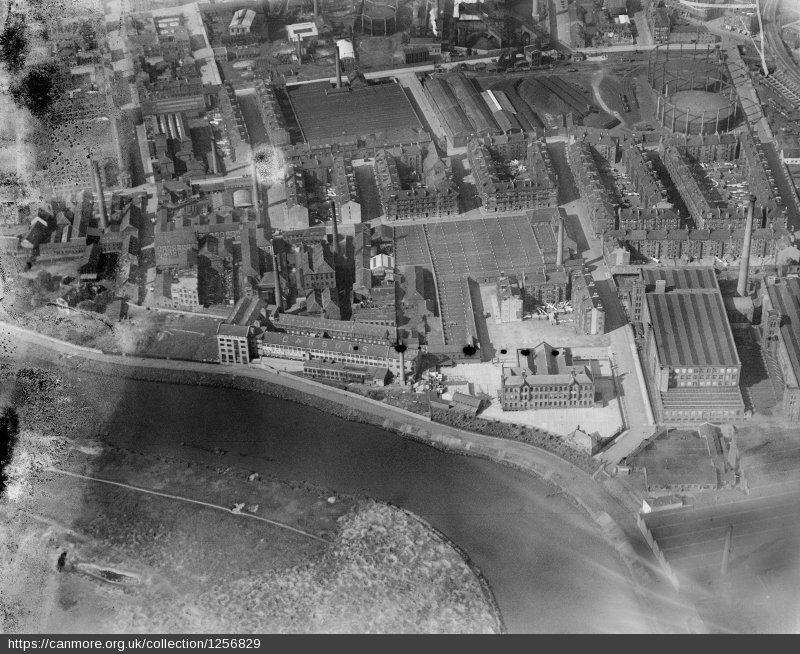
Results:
<point x="548" y="565"/>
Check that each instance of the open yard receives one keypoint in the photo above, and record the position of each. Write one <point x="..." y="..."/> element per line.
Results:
<point x="529" y="333"/>
<point x="484" y="378"/>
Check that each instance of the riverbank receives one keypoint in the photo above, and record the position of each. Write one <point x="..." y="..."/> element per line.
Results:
<point x="295" y="558"/>
<point x="613" y="521"/>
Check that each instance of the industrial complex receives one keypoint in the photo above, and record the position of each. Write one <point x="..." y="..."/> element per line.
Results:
<point x="565" y="225"/>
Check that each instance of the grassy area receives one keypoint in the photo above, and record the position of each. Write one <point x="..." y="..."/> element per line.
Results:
<point x="399" y="397"/>
<point x="516" y="432"/>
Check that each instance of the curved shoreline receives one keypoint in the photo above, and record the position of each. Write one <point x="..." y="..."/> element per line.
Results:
<point x="619" y="530"/>
<point x="486" y="587"/>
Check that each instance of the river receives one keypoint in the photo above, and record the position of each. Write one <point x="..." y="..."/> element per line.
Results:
<point x="549" y="567"/>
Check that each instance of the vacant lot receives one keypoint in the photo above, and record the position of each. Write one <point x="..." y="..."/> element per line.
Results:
<point x="761" y="591"/>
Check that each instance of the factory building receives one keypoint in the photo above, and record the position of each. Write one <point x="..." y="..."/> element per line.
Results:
<point x="589" y="314"/>
<point x="780" y="328"/>
<point x="690" y="357"/>
<point x="459" y="108"/>
<point x="342" y="330"/>
<point x="509" y="299"/>
<point x="306" y="348"/>
<point x="236" y="335"/>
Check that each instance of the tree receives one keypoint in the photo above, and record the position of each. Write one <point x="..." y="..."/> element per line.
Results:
<point x="39" y="87"/>
<point x="9" y="431"/>
<point x="14" y="42"/>
<point x="45" y="280"/>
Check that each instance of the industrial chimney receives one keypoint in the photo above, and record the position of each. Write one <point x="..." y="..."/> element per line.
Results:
<point x="402" y="351"/>
<point x="560" y="242"/>
<point x="535" y="12"/>
<point x="254" y="173"/>
<point x="98" y="189"/>
<point x="335" y="231"/>
<point x="316" y="10"/>
<point x="744" y="262"/>
<point x="278" y="295"/>
<point x="338" y="67"/>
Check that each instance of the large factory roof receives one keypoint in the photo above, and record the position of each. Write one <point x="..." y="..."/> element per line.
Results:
<point x="691" y="329"/>
<point x="681" y="279"/>
<point x="325" y="114"/>
<point x="344" y="347"/>
<point x="460" y="106"/>
<point x="317" y="324"/>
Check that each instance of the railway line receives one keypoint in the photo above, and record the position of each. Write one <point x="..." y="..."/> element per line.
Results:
<point x="788" y="73"/>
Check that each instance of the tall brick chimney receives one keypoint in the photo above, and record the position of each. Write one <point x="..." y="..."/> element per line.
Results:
<point x="744" y="262"/>
<point x="277" y="284"/>
<point x="335" y="230"/>
<point x="98" y="189"/>
<point x="560" y="242"/>
<point x="338" y="67"/>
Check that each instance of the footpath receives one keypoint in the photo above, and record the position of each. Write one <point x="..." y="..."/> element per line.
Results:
<point x="613" y="512"/>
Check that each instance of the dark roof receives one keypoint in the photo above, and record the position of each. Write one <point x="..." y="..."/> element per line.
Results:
<point x="370" y="109"/>
<point x="225" y="329"/>
<point x="347" y="347"/>
<point x="691" y="329"/>
<point x="785" y="298"/>
<point x="315" y="323"/>
<point x="245" y="311"/>
<point x="469" y="400"/>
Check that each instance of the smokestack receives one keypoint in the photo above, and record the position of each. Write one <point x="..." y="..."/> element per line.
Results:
<point x="402" y="363"/>
<point x="214" y="162"/>
<point x="98" y="189"/>
<point x="744" y="263"/>
<point x="316" y="9"/>
<point x="278" y="295"/>
<point x="338" y="68"/>
<point x="299" y="51"/>
<point x="535" y="12"/>
<point x="560" y="242"/>
<point x="335" y="231"/>
<point x="254" y="191"/>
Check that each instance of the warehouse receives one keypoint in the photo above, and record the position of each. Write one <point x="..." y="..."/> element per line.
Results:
<point x="326" y="115"/>
<point x="459" y="108"/>
<point x="306" y="348"/>
<point x="690" y="353"/>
